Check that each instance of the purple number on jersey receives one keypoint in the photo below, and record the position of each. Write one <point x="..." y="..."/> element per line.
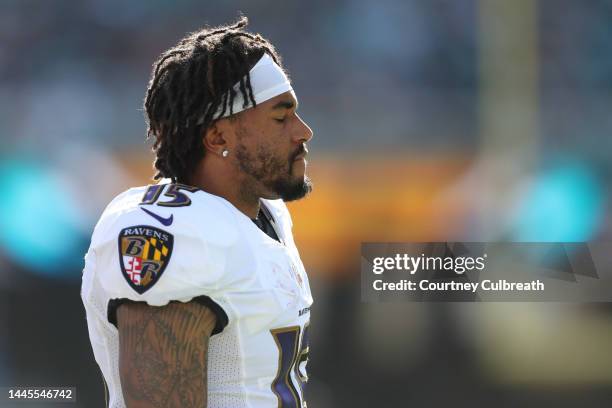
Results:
<point x="290" y="360"/>
<point x="179" y="199"/>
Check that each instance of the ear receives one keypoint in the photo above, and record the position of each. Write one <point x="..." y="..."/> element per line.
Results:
<point x="215" y="137"/>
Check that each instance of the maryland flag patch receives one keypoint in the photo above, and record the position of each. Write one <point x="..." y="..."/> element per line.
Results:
<point x="144" y="253"/>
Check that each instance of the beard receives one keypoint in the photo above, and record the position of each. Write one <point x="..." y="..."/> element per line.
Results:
<point x="291" y="191"/>
<point x="272" y="173"/>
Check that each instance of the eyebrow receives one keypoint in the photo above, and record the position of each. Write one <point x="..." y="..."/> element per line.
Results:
<point x="283" y="105"/>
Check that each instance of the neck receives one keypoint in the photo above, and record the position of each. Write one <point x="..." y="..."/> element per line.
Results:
<point x="223" y="184"/>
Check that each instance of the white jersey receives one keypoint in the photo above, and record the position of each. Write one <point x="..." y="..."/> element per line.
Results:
<point x="170" y="242"/>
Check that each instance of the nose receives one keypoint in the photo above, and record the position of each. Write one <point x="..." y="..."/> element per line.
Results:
<point x="304" y="132"/>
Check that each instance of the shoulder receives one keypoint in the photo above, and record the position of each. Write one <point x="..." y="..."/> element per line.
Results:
<point x="161" y="243"/>
<point x="174" y="208"/>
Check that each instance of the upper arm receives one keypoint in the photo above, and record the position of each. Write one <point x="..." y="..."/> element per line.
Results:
<point x="163" y="354"/>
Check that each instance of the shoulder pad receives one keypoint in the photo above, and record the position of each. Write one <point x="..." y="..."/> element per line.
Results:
<point x="157" y="253"/>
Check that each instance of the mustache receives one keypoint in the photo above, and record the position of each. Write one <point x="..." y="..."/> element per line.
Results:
<point x="301" y="150"/>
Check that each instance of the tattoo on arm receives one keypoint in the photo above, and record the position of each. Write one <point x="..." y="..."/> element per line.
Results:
<point x="163" y="354"/>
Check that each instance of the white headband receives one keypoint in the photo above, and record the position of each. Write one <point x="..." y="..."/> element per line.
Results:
<point x="267" y="81"/>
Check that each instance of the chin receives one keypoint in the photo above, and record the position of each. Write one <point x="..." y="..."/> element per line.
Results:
<point x="297" y="190"/>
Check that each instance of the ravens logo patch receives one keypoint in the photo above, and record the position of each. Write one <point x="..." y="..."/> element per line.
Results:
<point x="144" y="253"/>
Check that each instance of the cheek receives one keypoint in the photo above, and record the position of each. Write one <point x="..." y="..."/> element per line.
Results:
<point x="270" y="142"/>
<point x="273" y="153"/>
<point x="276" y="142"/>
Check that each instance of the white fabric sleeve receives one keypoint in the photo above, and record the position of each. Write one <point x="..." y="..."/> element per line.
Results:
<point x="138" y="259"/>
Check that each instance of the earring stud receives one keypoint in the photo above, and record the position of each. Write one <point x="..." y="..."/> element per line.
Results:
<point x="225" y="153"/>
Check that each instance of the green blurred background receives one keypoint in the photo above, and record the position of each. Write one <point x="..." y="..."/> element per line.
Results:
<point x="434" y="120"/>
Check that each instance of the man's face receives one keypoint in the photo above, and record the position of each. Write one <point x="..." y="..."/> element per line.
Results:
<point x="270" y="149"/>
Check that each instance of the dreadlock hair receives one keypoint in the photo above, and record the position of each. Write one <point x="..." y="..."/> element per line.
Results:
<point x="189" y="83"/>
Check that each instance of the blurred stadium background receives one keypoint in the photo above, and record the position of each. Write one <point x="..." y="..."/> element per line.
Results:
<point x="443" y="120"/>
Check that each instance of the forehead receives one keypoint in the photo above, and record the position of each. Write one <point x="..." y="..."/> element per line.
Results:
<point x="264" y="110"/>
<point x="286" y="100"/>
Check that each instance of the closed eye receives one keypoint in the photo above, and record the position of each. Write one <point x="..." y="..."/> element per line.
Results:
<point x="279" y="120"/>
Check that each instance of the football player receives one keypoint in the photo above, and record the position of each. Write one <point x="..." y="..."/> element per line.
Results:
<point x="194" y="290"/>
